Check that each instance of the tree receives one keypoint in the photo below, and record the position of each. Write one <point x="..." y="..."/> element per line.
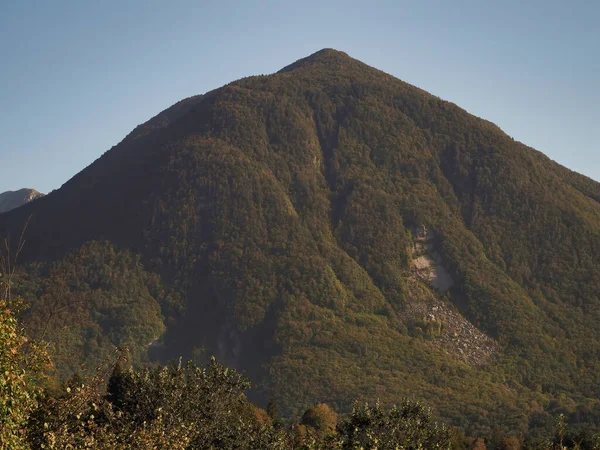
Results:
<point x="560" y="427"/>
<point x="20" y="361"/>
<point x="173" y="407"/>
<point x="273" y="412"/>
<point x="409" y="426"/>
<point x="511" y="443"/>
<point x="478" y="444"/>
<point x="322" y="418"/>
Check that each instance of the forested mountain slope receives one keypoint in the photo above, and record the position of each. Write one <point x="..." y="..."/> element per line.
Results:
<point x="337" y="234"/>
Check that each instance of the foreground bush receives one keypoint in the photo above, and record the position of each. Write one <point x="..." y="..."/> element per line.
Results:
<point x="173" y="407"/>
<point x="409" y="426"/>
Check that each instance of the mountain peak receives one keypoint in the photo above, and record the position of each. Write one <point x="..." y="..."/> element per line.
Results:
<point x="326" y="56"/>
<point x="328" y="53"/>
<point x="13" y="199"/>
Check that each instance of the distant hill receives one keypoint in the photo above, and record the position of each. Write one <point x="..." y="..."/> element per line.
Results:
<point x="337" y="234"/>
<point x="13" y="199"/>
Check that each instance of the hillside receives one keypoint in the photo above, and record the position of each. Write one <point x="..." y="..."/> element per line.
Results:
<point x="337" y="234"/>
<point x="13" y="199"/>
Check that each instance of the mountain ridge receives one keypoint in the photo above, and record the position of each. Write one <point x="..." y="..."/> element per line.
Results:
<point x="13" y="199"/>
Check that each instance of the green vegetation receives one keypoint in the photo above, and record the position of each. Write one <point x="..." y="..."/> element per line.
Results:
<point x="272" y="223"/>
<point x="87" y="304"/>
<point x="188" y="407"/>
<point x="19" y="362"/>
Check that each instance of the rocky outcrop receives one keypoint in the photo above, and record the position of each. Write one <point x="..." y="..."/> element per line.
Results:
<point x="432" y="317"/>
<point x="451" y="331"/>
<point x="427" y="263"/>
<point x="13" y="199"/>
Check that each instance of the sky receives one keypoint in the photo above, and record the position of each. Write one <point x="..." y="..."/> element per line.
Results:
<point x="76" y="76"/>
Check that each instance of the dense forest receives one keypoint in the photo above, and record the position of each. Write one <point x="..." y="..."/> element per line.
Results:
<point x="337" y="236"/>
<point x="183" y="406"/>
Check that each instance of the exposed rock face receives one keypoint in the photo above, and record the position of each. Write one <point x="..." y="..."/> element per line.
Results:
<point x="431" y="317"/>
<point x="427" y="263"/>
<point x="448" y="329"/>
<point x="13" y="199"/>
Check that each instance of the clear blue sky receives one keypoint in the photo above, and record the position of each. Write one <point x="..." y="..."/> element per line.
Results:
<point x="77" y="76"/>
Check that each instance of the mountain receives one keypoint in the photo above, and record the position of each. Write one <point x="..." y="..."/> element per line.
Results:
<point x="337" y="234"/>
<point x="13" y="199"/>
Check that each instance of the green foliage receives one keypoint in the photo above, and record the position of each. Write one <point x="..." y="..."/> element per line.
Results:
<point x="20" y="361"/>
<point x="179" y="407"/>
<point x="92" y="301"/>
<point x="273" y="413"/>
<point x="409" y="426"/>
<point x="322" y="418"/>
<point x="188" y="407"/>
